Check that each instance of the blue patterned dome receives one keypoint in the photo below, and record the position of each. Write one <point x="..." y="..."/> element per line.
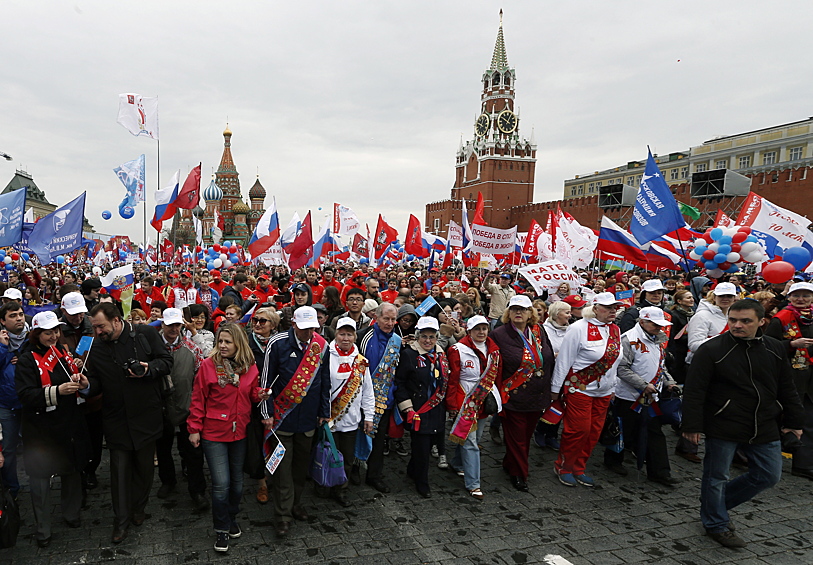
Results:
<point x="212" y="193"/>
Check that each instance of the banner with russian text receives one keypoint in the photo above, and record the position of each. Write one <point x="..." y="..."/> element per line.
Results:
<point x="549" y="275"/>
<point x="495" y="241"/>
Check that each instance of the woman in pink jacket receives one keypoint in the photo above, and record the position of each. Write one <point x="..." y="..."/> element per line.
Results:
<point x="225" y="386"/>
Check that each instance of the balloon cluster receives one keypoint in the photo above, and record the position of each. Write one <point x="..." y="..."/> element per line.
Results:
<point x="725" y="250"/>
<point x="220" y="256"/>
<point x="782" y="270"/>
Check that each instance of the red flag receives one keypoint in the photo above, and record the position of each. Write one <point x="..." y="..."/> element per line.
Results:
<point x="167" y="250"/>
<point x="722" y="220"/>
<point x="530" y="241"/>
<point x="360" y="245"/>
<point x="300" y="250"/>
<point x="413" y="241"/>
<point x="384" y="235"/>
<point x="189" y="196"/>
<point x="478" y="211"/>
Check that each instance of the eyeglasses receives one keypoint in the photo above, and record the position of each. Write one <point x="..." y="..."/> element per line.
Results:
<point x="260" y="321"/>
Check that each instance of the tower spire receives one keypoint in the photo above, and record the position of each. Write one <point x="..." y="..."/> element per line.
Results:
<point x="499" y="60"/>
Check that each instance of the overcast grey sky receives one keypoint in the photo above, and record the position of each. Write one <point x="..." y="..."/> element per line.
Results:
<point x="364" y="103"/>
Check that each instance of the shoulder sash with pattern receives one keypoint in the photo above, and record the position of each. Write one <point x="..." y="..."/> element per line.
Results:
<point x="300" y="383"/>
<point x="466" y="420"/>
<point x="350" y="390"/>
<point x="440" y="371"/>
<point x="583" y="377"/>
<point x="531" y="365"/>
<point x="383" y="376"/>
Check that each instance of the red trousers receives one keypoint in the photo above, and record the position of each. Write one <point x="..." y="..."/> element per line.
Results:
<point x="518" y="429"/>
<point x="583" y="421"/>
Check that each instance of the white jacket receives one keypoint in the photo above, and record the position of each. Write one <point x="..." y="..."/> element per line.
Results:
<point x="555" y="335"/>
<point x="708" y="322"/>
<point x="365" y="400"/>
<point x="579" y="352"/>
<point x="640" y="361"/>
<point x="470" y="372"/>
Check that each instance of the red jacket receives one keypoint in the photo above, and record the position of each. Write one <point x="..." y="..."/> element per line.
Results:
<point x="146" y="300"/>
<point x="221" y="414"/>
<point x="389" y="295"/>
<point x="455" y="393"/>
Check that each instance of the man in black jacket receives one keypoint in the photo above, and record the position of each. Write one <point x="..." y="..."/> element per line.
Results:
<point x="738" y="390"/>
<point x="132" y="409"/>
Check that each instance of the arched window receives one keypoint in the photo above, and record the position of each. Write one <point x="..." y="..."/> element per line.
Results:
<point x="507" y="79"/>
<point x="496" y="79"/>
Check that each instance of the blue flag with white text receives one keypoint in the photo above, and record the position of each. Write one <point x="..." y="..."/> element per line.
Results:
<point x="59" y="232"/>
<point x="12" y="211"/>
<point x="656" y="211"/>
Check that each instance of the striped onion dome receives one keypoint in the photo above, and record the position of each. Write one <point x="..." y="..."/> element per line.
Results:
<point x="212" y="193"/>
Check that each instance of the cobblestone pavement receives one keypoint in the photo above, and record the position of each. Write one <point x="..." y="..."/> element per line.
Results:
<point x="622" y="520"/>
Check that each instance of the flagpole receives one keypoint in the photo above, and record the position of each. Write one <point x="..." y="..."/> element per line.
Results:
<point x="682" y="251"/>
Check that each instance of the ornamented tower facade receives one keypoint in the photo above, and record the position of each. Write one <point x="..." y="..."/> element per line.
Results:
<point x="240" y="231"/>
<point x="497" y="161"/>
<point x="227" y="178"/>
<point x="256" y="195"/>
<point x="212" y="195"/>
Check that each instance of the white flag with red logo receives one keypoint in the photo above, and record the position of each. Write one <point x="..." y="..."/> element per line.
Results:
<point x="139" y="114"/>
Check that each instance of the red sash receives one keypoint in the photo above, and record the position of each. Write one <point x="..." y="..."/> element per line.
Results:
<point x="531" y="365"/>
<point x="583" y="377"/>
<point x="46" y="363"/>
<point x="466" y="420"/>
<point x="299" y="385"/>
<point x="349" y="390"/>
<point x="440" y="370"/>
<point x="791" y="331"/>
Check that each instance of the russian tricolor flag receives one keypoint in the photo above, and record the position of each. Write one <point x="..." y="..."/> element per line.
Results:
<point x="615" y="240"/>
<point x="165" y="206"/>
<point x="266" y="233"/>
<point x="323" y="243"/>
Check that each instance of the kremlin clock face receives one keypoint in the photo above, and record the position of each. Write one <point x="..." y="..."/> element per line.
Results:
<point x="507" y="121"/>
<point x="481" y="127"/>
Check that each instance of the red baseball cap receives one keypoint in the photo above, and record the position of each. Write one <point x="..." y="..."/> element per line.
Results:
<point x="215" y="273"/>
<point x="575" y="301"/>
<point x="186" y="274"/>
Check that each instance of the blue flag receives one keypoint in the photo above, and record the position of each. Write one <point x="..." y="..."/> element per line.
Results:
<point x="656" y="212"/>
<point x="12" y="210"/>
<point x="22" y="243"/>
<point x="59" y="232"/>
<point x="131" y="175"/>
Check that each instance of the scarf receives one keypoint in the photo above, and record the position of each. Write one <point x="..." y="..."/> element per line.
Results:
<point x="226" y="375"/>
<point x="804" y="318"/>
<point x="17" y="340"/>
<point x="688" y="312"/>
<point x="557" y="326"/>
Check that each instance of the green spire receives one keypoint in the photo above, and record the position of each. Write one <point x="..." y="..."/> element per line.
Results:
<point x="499" y="61"/>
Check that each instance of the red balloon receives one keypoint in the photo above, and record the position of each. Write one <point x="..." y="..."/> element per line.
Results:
<point x="15" y="256"/>
<point x="778" y="272"/>
<point x="744" y="229"/>
<point x="724" y="265"/>
<point x="739" y="237"/>
<point x="708" y="238"/>
<point x="216" y="247"/>
<point x="735" y="247"/>
<point x="708" y="254"/>
<point x="198" y="249"/>
<point x="233" y="249"/>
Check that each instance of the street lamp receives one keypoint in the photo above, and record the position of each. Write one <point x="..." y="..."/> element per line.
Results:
<point x="5" y="156"/>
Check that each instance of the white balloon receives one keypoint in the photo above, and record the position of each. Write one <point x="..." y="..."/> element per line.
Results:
<point x="7" y="259"/>
<point x="729" y="231"/>
<point x="217" y="263"/>
<point x="732" y="257"/>
<point x="694" y="256"/>
<point x="227" y="264"/>
<point x="715" y="273"/>
<point x="753" y="256"/>
<point x="97" y="270"/>
<point x="223" y="257"/>
<point x="714" y="246"/>
<point x="748" y="248"/>
<point x="700" y="242"/>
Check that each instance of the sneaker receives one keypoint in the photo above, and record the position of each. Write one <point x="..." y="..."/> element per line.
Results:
<point x="442" y="463"/>
<point x="222" y="542"/>
<point x="567" y="479"/>
<point x="727" y="539"/>
<point x="235" y="531"/>
<point x="386" y="447"/>
<point x="398" y="446"/>
<point x="584" y="480"/>
<point x="435" y="451"/>
<point x="552" y="443"/>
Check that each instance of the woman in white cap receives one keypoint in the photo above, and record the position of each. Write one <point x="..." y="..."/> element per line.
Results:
<point x="472" y="395"/>
<point x="524" y="383"/>
<point x="794" y="326"/>
<point x="51" y="387"/>
<point x="585" y="374"/>
<point x="421" y="380"/>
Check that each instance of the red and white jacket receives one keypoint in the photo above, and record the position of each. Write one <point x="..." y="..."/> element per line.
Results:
<point x="466" y="365"/>
<point x="181" y="297"/>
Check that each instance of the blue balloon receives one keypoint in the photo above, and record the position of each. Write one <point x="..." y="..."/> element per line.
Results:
<point x="716" y="234"/>
<point x="126" y="212"/>
<point x="710" y="264"/>
<point x="9" y="267"/>
<point x="320" y="208"/>
<point x="364" y="260"/>
<point x="720" y="258"/>
<point x="106" y="215"/>
<point x="726" y="239"/>
<point x="732" y="269"/>
<point x="799" y="257"/>
<point x="210" y="266"/>
<point x="700" y="249"/>
<point x="227" y="243"/>
<point x="60" y="259"/>
<point x="750" y="238"/>
<point x="26" y="257"/>
<point x="724" y="249"/>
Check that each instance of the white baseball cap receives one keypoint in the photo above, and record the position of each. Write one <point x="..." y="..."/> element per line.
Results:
<point x="654" y="315"/>
<point x="13" y="294"/>
<point x="427" y="323"/>
<point x="305" y="317"/>
<point x="652" y="285"/>
<point x="45" y="321"/>
<point x="724" y="289"/>
<point x="606" y="299"/>
<point x="800" y="286"/>
<point x="172" y="316"/>
<point x="345" y="322"/>
<point x="475" y="321"/>
<point x="74" y="303"/>
<point x="520" y="300"/>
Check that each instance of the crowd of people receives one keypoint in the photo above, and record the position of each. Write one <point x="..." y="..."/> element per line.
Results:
<point x="235" y="367"/>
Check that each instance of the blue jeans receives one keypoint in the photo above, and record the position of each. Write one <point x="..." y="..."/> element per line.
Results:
<point x="467" y="457"/>
<point x="225" y="460"/>
<point x="718" y="494"/>
<point x="10" y="422"/>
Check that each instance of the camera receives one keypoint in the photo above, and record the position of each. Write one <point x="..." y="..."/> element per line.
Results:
<point x="135" y="367"/>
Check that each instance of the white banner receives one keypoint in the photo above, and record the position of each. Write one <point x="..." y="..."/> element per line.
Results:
<point x="455" y="234"/>
<point x="495" y="241"/>
<point x="581" y="245"/>
<point x="549" y="275"/>
<point x="139" y="114"/>
<point x="345" y="221"/>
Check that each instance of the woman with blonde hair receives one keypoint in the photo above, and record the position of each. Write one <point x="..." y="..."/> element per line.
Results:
<point x="561" y="293"/>
<point x="474" y="295"/>
<point x="225" y="387"/>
